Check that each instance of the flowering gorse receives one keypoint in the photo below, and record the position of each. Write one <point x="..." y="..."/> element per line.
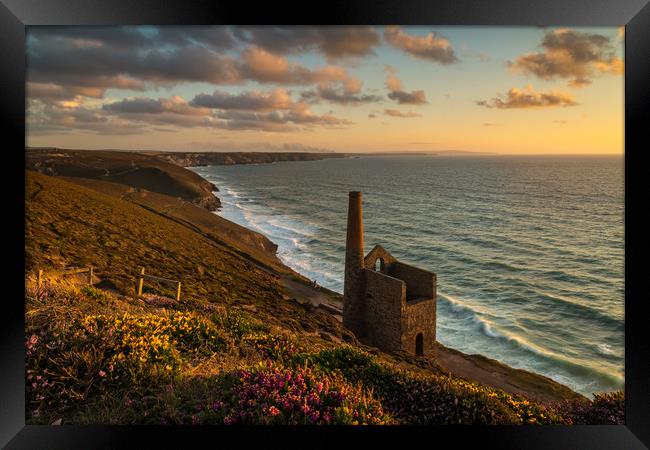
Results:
<point x="145" y="345"/>
<point x="272" y="346"/>
<point x="70" y="360"/>
<point x="87" y="348"/>
<point x="237" y="323"/>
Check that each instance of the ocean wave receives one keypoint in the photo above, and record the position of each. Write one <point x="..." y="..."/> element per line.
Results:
<point x="491" y="330"/>
<point x="606" y="349"/>
<point x="481" y="241"/>
<point x="293" y="226"/>
<point x="572" y="308"/>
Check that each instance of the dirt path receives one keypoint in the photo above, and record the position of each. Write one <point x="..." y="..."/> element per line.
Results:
<point x="477" y="368"/>
<point x="492" y="373"/>
<point x="304" y="292"/>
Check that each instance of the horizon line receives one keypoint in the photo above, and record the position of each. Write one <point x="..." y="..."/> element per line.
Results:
<point x="372" y="152"/>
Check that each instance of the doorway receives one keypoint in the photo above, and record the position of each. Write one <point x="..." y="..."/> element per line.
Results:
<point x="419" y="345"/>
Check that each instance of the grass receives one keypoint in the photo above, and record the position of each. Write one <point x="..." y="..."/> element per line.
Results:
<point x="233" y="351"/>
<point x="93" y="357"/>
<point x="69" y="225"/>
<point x="129" y="168"/>
<point x="252" y="245"/>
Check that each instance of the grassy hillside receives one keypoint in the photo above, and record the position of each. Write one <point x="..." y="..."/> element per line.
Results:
<point x="129" y="168"/>
<point x="94" y="357"/>
<point x="70" y="225"/>
<point x="236" y="349"/>
<point x="253" y="245"/>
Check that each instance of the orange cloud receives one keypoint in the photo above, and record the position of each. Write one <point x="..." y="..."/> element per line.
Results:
<point x="397" y="113"/>
<point x="528" y="98"/>
<point x="396" y="93"/>
<point x="430" y="47"/>
<point x="570" y="54"/>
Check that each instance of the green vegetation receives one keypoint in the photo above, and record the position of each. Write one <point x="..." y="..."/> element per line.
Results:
<point x="69" y="225"/>
<point x="103" y="359"/>
<point x="128" y="168"/>
<point x="252" y="245"/>
<point x="234" y="350"/>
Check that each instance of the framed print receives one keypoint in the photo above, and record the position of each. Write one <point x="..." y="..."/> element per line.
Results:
<point x="350" y="219"/>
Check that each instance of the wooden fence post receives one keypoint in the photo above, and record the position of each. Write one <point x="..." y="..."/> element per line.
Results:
<point x="178" y="292"/>
<point x="140" y="282"/>
<point x="90" y="275"/>
<point x="40" y="278"/>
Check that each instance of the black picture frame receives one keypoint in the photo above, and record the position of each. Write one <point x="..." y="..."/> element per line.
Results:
<point x="15" y="15"/>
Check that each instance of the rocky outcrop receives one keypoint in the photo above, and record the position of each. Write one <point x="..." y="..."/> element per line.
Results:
<point x="129" y="168"/>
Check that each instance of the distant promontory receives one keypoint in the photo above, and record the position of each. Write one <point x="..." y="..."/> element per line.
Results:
<point x="195" y="159"/>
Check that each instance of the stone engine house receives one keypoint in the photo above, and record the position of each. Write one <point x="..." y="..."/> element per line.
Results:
<point x="386" y="303"/>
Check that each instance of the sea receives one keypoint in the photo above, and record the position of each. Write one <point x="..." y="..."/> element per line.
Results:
<point x="528" y="250"/>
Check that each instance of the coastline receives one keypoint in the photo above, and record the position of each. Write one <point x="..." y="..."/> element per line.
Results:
<point x="474" y="367"/>
<point x="253" y="245"/>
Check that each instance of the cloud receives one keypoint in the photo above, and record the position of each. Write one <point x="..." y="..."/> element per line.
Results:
<point x="335" y="85"/>
<point x="408" y="98"/>
<point x="372" y="116"/>
<point x="265" y="111"/>
<point x="249" y="100"/>
<point x="278" y="105"/>
<point x="275" y="120"/>
<point x="528" y="98"/>
<point x="215" y="37"/>
<point x="489" y="124"/>
<point x="396" y="93"/>
<point x="124" y="37"/>
<point x="339" y="95"/>
<point x="79" y="69"/>
<point x="392" y="82"/>
<point x="52" y="119"/>
<point x="264" y="67"/>
<point x="174" y="105"/>
<point x="572" y="55"/>
<point x="335" y="42"/>
<point x="229" y="146"/>
<point x="105" y="67"/>
<point x="295" y="147"/>
<point x="94" y="36"/>
<point x="397" y="113"/>
<point x="431" y="47"/>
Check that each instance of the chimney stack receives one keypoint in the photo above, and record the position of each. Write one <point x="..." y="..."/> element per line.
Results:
<point x="353" y="287"/>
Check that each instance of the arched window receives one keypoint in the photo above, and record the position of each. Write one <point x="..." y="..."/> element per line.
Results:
<point x="419" y="344"/>
<point x="379" y="265"/>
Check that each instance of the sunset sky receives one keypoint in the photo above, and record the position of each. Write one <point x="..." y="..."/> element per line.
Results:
<point x="346" y="89"/>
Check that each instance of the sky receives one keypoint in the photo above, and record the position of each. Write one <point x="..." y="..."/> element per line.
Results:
<point x="506" y="90"/>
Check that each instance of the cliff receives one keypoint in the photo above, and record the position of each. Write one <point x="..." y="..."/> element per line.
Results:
<point x="195" y="159"/>
<point x="128" y="168"/>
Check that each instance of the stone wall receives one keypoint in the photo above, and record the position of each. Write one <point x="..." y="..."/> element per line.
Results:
<point x="391" y="306"/>
<point x="378" y="252"/>
<point x="419" y="317"/>
<point x="419" y="283"/>
<point x="384" y="305"/>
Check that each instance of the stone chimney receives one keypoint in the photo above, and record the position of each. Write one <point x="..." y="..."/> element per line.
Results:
<point x="354" y="286"/>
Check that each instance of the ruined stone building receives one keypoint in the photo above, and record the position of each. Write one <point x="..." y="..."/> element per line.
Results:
<point x="386" y="303"/>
